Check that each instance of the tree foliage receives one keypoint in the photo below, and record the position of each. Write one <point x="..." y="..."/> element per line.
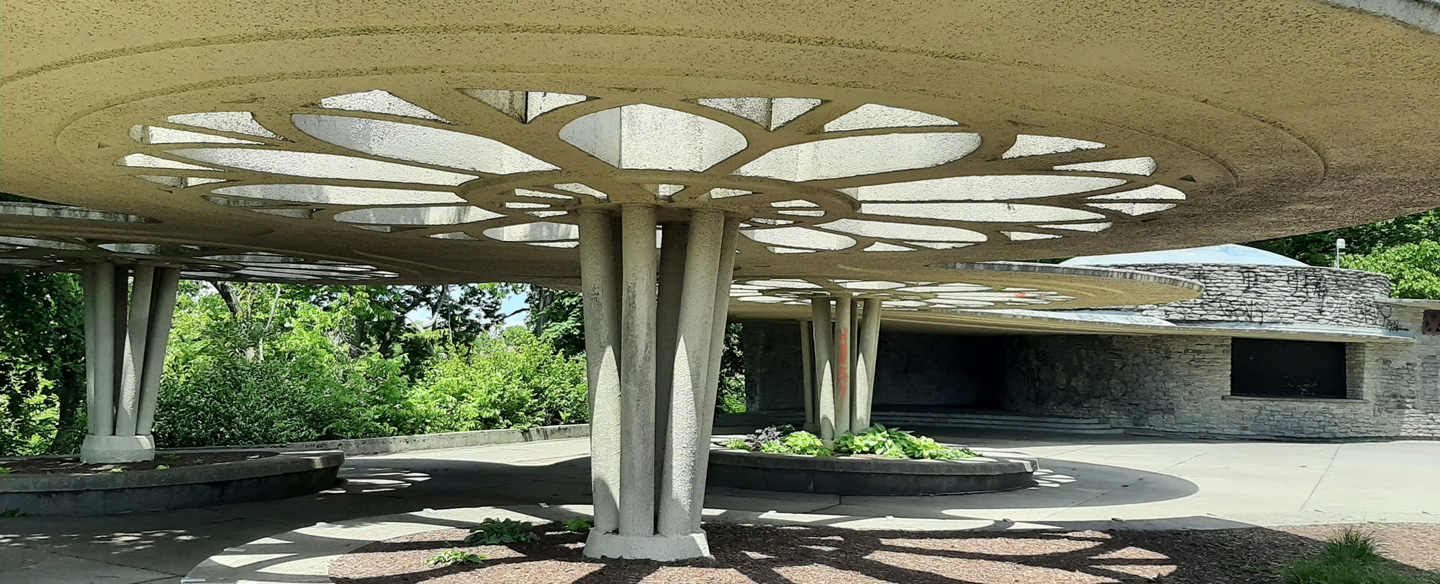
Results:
<point x="42" y="363"/>
<point x="1414" y="268"/>
<point x="1318" y="249"/>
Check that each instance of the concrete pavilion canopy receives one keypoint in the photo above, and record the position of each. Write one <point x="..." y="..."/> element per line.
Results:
<point x="447" y="144"/>
<point x="553" y="141"/>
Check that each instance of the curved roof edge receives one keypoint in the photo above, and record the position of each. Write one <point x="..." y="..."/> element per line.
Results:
<point x="1422" y="14"/>
<point x="1215" y="254"/>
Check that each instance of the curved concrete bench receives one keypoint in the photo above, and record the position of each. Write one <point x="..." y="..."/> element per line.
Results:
<point x="287" y="474"/>
<point x="854" y="475"/>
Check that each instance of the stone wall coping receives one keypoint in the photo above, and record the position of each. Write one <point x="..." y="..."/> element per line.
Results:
<point x="1324" y="400"/>
<point x="413" y="442"/>
<point x="989" y="463"/>
<point x="1411" y="302"/>
<point x="285" y="462"/>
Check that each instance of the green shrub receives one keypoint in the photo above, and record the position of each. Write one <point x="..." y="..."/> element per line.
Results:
<point x="454" y="558"/>
<point x="515" y="381"/>
<point x="1351" y="546"/>
<point x="577" y="525"/>
<point x="895" y="443"/>
<point x="805" y="443"/>
<point x="502" y="531"/>
<point x="738" y="444"/>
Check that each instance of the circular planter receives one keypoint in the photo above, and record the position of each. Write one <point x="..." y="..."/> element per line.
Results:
<point x="287" y="474"/>
<point x="857" y="475"/>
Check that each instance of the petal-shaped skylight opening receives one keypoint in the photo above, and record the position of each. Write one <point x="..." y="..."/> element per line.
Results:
<point x="179" y="182"/>
<point x="939" y="245"/>
<point x="557" y="244"/>
<point x="518" y="205"/>
<point x="770" y="113"/>
<point x="663" y="191"/>
<point x="580" y="189"/>
<point x="860" y="155"/>
<point x="983" y="188"/>
<point x="800" y="237"/>
<point x="337" y="195"/>
<point x="454" y="235"/>
<point x="882" y="246"/>
<point x="148" y="161"/>
<point x="1144" y="166"/>
<point x="545" y="214"/>
<point x="40" y="243"/>
<point x="291" y="213"/>
<point x="643" y="136"/>
<point x="727" y="193"/>
<point x="158" y="135"/>
<point x="1028" y="236"/>
<point x="233" y="122"/>
<point x="524" y="106"/>
<point x="1090" y="227"/>
<point x="981" y="212"/>
<point x="529" y="194"/>
<point x="533" y="232"/>
<point x="786" y="283"/>
<point x="762" y="299"/>
<point x="1031" y="145"/>
<point x="873" y="116"/>
<point x="769" y="221"/>
<point x="421" y="144"/>
<point x="1152" y="192"/>
<point x="379" y="102"/>
<point x="795" y="203"/>
<point x="945" y="288"/>
<point x="450" y="215"/>
<point x="316" y="165"/>
<point x="1134" y="208"/>
<point x="887" y="230"/>
<point x="779" y="249"/>
<point x="870" y="285"/>
<point x="802" y="213"/>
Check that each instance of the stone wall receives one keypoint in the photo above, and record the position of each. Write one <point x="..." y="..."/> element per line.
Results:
<point x="1182" y="383"/>
<point x="1273" y="295"/>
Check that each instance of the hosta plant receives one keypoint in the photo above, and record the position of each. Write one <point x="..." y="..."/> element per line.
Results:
<point x="502" y="531"/>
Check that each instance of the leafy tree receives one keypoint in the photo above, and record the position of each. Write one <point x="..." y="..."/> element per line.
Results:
<point x="1414" y="268"/>
<point x="1318" y="249"/>
<point x="42" y="363"/>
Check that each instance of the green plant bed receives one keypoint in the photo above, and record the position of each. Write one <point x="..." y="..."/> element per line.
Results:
<point x="876" y="440"/>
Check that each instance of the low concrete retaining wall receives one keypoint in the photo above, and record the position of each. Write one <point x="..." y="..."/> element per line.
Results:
<point x="287" y="474"/>
<point x="850" y="475"/>
<point x="364" y="446"/>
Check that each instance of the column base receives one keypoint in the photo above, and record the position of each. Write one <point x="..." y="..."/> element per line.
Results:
<point x="659" y="548"/>
<point x="111" y="449"/>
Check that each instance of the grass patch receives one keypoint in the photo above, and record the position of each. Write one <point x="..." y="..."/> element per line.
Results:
<point x="1352" y="557"/>
<point x="454" y="558"/>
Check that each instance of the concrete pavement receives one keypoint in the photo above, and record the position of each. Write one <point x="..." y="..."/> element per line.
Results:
<point x="1118" y="482"/>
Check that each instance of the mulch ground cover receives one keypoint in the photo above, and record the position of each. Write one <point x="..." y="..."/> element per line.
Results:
<point x="767" y="554"/>
<point x="72" y="465"/>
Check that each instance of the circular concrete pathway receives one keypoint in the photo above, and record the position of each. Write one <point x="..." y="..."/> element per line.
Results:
<point x="1100" y="482"/>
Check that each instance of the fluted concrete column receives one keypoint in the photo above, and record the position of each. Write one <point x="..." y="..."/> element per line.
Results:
<point x="162" y="315"/>
<point x="844" y="355"/>
<point x="127" y="406"/>
<point x="637" y="370"/>
<point x="824" y="368"/>
<point x="634" y="447"/>
<point x="724" y="272"/>
<point x="673" y="241"/>
<point x="690" y="366"/>
<point x="127" y="329"/>
<point x="600" y="290"/>
<point x="865" y="364"/>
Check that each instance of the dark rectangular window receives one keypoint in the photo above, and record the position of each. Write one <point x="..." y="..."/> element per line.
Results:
<point x="1267" y="368"/>
<point x="1431" y="323"/>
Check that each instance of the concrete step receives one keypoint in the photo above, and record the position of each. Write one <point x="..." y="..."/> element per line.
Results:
<point x="996" y="421"/>
<point x="997" y="416"/>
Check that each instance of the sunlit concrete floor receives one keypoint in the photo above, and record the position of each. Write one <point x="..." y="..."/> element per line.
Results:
<point x="1105" y="482"/>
